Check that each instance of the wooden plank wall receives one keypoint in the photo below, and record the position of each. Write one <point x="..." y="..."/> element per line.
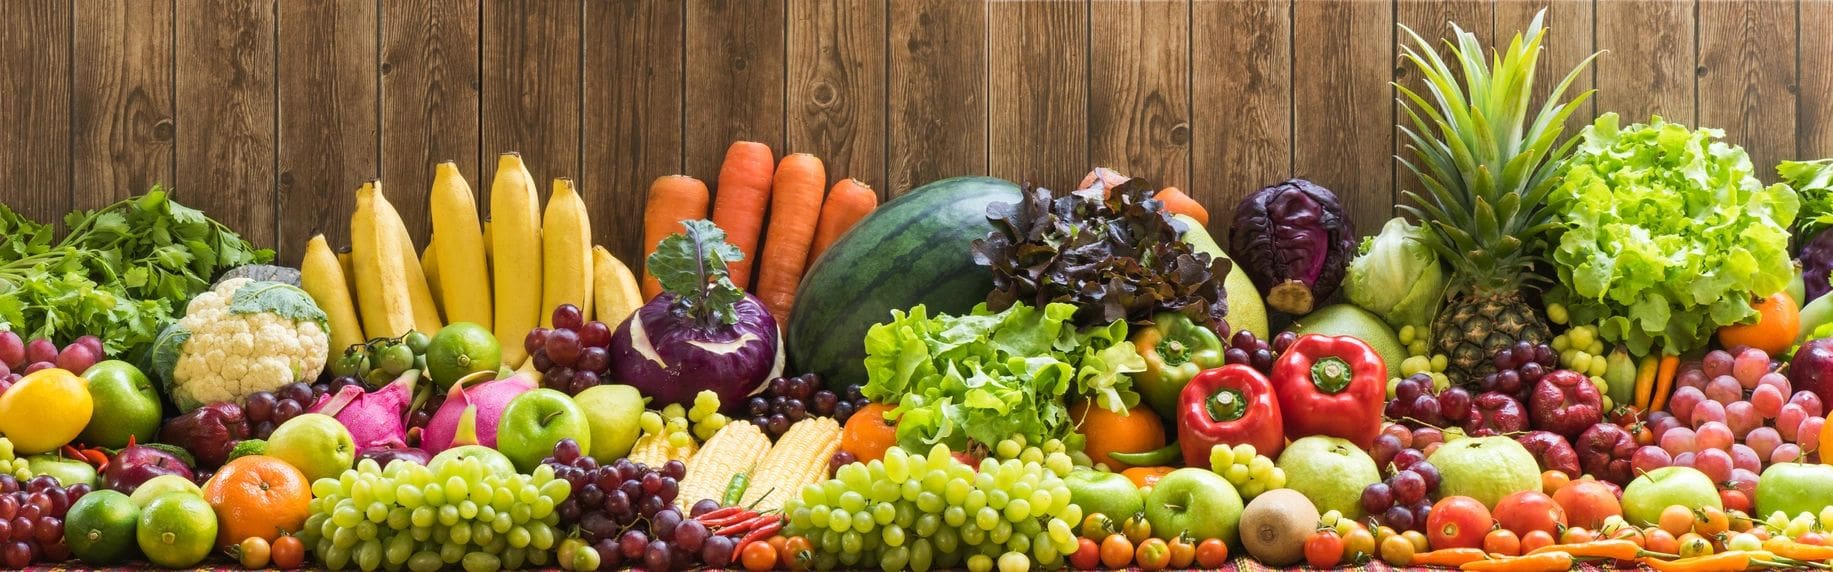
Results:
<point x="269" y="113"/>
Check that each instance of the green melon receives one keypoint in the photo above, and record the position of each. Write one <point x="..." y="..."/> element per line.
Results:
<point x="912" y="250"/>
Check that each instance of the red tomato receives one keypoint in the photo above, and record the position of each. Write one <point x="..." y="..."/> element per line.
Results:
<point x="758" y="556"/>
<point x="1183" y="551"/>
<point x="1528" y="511"/>
<point x="1661" y="541"/>
<point x="1212" y="553"/>
<point x="1576" y="535"/>
<point x="1539" y="538"/>
<point x="1323" y="548"/>
<point x="1116" y="551"/>
<point x="1734" y="499"/>
<point x="1153" y="554"/>
<point x="1457" y="522"/>
<point x="1502" y="541"/>
<point x="1587" y="503"/>
<point x="1087" y="555"/>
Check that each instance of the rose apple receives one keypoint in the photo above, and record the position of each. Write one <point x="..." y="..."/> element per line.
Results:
<point x="1554" y="452"/>
<point x="1565" y="402"/>
<point x="1605" y="451"/>
<point x="1493" y="413"/>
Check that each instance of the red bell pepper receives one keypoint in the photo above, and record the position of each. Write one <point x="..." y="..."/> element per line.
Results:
<point x="1228" y="405"/>
<point x="1331" y="385"/>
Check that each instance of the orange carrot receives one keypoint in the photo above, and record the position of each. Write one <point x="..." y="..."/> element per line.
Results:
<point x="744" y="192"/>
<point x="672" y="199"/>
<point x="1179" y="203"/>
<point x="795" y="206"/>
<point x="1664" y="381"/>
<point x="849" y="201"/>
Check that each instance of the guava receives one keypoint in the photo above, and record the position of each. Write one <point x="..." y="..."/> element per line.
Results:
<point x="1332" y="473"/>
<point x="1484" y="468"/>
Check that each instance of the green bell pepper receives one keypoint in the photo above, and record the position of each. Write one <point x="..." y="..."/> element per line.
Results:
<point x="1175" y="349"/>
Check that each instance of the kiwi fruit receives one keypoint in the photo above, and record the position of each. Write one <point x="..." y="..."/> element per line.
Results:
<point x="1274" y="526"/>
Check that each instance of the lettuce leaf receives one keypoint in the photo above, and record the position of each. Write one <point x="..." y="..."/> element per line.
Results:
<point x="1667" y="234"/>
<point x="985" y="376"/>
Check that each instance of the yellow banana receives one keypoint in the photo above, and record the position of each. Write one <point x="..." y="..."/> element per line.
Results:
<point x="420" y="296"/>
<point x="321" y="276"/>
<point x="515" y="213"/>
<point x="460" y="242"/>
<point x="429" y="264"/>
<point x="383" y="299"/>
<point x="615" y="287"/>
<point x="347" y="261"/>
<point x="566" y="247"/>
<point x="487" y="245"/>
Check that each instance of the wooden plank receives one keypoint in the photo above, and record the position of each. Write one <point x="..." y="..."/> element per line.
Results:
<point x="1436" y="22"/>
<point x="1139" y="96"/>
<point x="1747" y="77"/>
<point x="1649" y="60"/>
<point x="1343" y="121"/>
<point x="35" y="111"/>
<point x="938" y="105"/>
<point x="1814" y="125"/>
<point x="121" y="112"/>
<point x="1241" y="125"/>
<point x="226" y="128"/>
<point x="1037" y="92"/>
<point x="632" y="119"/>
<point x="329" y="116"/>
<point x="429" y="100"/>
<point x="735" y="79"/>
<point x="531" y="88"/>
<point x="836" y="90"/>
<point x="1569" y="28"/>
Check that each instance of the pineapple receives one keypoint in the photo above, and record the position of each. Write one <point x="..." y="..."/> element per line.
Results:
<point x="1488" y="169"/>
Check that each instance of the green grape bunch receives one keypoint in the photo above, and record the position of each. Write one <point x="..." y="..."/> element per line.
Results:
<point x="456" y="513"/>
<point x="1251" y="472"/>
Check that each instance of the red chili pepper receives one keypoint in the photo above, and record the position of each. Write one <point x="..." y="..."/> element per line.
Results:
<point x="1331" y="385"/>
<point x="1232" y="404"/>
<point x="757" y="535"/>
<point x="719" y="513"/>
<point x="730" y="519"/>
<point x="749" y="525"/>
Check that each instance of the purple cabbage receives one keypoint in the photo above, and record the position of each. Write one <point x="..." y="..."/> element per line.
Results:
<point x="1816" y="263"/>
<point x="1295" y="242"/>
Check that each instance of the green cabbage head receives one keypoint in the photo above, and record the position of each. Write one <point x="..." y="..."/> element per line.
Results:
<point x="1397" y="276"/>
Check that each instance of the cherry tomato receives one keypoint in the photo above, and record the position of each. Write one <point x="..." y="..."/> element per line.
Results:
<point x="1660" y="541"/>
<point x="254" y="552"/>
<point x="1502" y="541"/>
<point x="1183" y="551"/>
<point x="1458" y="522"/>
<point x="1116" y="551"/>
<point x="758" y="556"/>
<point x="1096" y="525"/>
<point x="288" y="552"/>
<point x="1710" y="521"/>
<point x="1734" y="500"/>
<point x="1536" y="539"/>
<point x="1212" y="553"/>
<point x="1527" y="511"/>
<point x="1420" y="544"/>
<point x="1692" y="545"/>
<point x="1153" y="554"/>
<point x="1576" y="535"/>
<point x="1087" y="555"/>
<point x="780" y="543"/>
<point x="1323" y="548"/>
<point x="1137" y="529"/>
<point x="1552" y="480"/>
<point x="1358" y="545"/>
<point x="798" y="552"/>
<point x="1676" y="519"/>
<point x="1740" y="522"/>
<point x="1397" y="550"/>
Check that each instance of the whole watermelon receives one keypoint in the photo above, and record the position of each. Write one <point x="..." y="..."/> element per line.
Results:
<point x="915" y="249"/>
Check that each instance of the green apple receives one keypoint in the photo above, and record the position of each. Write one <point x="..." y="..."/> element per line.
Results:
<point x="613" y="411"/>
<point x="1330" y="471"/>
<point x="494" y="462"/>
<point x="1193" y="501"/>
<point x="1655" y="491"/>
<point x="67" y="471"/>
<point x="1485" y="468"/>
<point x="158" y="486"/>
<point x="1110" y="494"/>
<point x="126" y="405"/>
<point x="1795" y="488"/>
<point x="315" y="443"/>
<point x="535" y="421"/>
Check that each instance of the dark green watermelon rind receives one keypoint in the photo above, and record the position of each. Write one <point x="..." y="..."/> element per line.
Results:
<point x="913" y="250"/>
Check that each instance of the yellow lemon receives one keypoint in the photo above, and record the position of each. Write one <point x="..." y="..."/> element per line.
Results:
<point x="45" y="410"/>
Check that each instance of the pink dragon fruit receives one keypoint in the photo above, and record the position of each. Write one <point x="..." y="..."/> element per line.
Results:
<point x="375" y="418"/>
<point x="484" y="400"/>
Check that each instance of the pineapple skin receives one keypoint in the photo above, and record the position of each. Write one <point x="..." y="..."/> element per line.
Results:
<point x="1474" y="327"/>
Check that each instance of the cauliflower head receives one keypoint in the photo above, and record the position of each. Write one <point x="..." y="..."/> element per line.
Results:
<point x="241" y="337"/>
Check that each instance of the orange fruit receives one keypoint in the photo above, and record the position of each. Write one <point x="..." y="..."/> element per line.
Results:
<point x="1778" y="323"/>
<point x="257" y="495"/>
<point x="867" y="434"/>
<point x="1137" y="431"/>
<point x="1143" y="477"/>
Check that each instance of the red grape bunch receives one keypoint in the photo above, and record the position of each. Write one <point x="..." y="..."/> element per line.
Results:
<point x="18" y="358"/>
<point x="1518" y="368"/>
<point x="573" y="355"/>
<point x="1418" y="403"/>
<point x="786" y="400"/>
<point x="32" y="520"/>
<point x="626" y="512"/>
<point x="266" y="410"/>
<point x="1246" y="349"/>
<point x="1404" y="499"/>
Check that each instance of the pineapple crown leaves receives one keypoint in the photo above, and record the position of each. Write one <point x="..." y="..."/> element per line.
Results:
<point x="1487" y="170"/>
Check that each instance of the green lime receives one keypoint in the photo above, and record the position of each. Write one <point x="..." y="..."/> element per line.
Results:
<point x="459" y="349"/>
<point x="177" y="530"/>
<point x="99" y="529"/>
<point x="156" y="487"/>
